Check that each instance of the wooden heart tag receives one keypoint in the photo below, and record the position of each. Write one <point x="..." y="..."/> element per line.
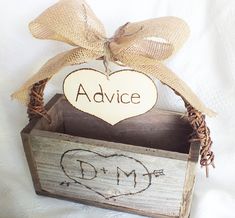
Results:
<point x="126" y="93"/>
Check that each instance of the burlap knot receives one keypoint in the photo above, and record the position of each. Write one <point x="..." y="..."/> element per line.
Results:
<point x="141" y="46"/>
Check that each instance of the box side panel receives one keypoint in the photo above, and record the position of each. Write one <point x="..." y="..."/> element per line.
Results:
<point x="109" y="177"/>
<point x="189" y="180"/>
<point x="31" y="163"/>
<point x="26" y="140"/>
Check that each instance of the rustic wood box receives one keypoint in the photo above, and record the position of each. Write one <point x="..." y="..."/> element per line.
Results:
<point x="142" y="165"/>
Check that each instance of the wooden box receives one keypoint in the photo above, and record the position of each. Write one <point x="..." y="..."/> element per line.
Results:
<point x="142" y="165"/>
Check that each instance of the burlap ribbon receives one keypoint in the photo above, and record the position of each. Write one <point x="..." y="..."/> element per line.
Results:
<point x="141" y="46"/>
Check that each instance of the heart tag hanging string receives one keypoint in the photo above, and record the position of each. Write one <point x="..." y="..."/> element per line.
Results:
<point x="107" y="58"/>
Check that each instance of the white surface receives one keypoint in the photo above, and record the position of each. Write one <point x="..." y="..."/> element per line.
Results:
<point x="206" y="63"/>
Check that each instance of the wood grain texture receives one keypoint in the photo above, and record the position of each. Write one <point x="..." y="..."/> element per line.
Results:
<point x="110" y="176"/>
<point x="189" y="180"/>
<point x="25" y="136"/>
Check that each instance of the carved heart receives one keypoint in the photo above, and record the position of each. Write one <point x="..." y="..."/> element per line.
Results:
<point x="109" y="176"/>
<point x="124" y="94"/>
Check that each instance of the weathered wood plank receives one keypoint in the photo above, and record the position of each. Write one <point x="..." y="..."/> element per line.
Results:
<point x="124" y="147"/>
<point x="25" y="136"/>
<point x="143" y="183"/>
<point x="189" y="180"/>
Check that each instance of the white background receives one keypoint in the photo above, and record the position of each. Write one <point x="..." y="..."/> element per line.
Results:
<point x="206" y="63"/>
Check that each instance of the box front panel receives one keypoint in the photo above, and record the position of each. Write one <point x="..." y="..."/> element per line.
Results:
<point x="137" y="182"/>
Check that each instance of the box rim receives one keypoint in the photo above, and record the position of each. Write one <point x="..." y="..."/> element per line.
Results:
<point x="108" y="144"/>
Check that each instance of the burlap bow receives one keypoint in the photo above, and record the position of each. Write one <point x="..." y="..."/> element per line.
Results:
<point x="141" y="46"/>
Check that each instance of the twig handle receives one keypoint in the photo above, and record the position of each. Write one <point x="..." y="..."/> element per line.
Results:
<point x="36" y="102"/>
<point x="201" y="133"/>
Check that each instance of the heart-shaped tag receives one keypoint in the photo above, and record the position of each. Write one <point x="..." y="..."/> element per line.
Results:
<point x="124" y="94"/>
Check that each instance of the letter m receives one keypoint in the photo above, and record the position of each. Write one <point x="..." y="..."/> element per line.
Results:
<point x="119" y="170"/>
